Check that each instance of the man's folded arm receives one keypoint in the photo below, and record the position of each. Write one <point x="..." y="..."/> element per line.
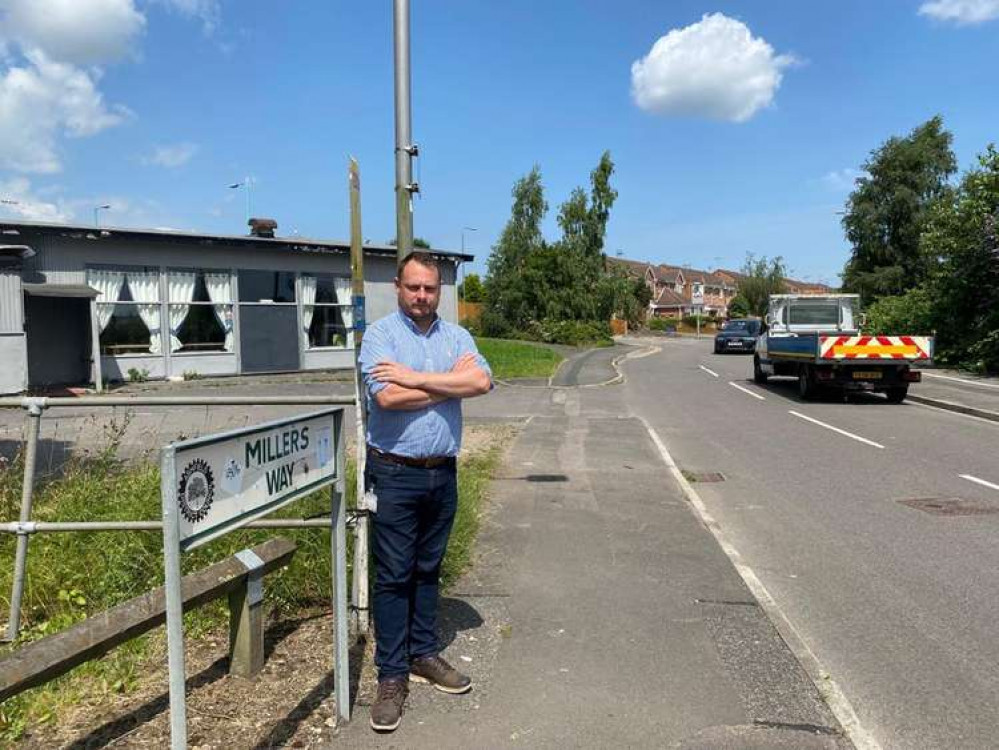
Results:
<point x="398" y="398"/>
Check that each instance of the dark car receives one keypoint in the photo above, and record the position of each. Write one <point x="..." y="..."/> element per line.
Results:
<point x="738" y="336"/>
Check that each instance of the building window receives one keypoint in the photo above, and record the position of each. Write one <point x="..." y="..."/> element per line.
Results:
<point x="200" y="310"/>
<point x="266" y="286"/>
<point x="327" y="315"/>
<point x="128" y="310"/>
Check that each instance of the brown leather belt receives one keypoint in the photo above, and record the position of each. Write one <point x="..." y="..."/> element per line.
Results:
<point x="422" y="463"/>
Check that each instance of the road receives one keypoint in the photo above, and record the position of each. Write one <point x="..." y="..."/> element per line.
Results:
<point x="898" y="604"/>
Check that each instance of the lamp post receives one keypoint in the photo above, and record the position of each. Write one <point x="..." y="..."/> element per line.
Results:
<point x="97" y="214"/>
<point x="245" y="184"/>
<point x="461" y="285"/>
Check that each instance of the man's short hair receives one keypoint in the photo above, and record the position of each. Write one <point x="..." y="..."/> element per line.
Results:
<point x="424" y="259"/>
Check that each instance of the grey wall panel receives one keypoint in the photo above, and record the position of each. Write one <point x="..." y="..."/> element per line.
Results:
<point x="11" y="302"/>
<point x="341" y="359"/>
<point x="208" y="363"/>
<point x="13" y="363"/>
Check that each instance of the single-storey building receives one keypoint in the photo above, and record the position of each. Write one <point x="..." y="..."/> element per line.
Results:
<point x="80" y="304"/>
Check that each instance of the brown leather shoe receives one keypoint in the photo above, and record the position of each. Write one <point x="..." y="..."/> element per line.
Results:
<point x="440" y="674"/>
<point x="386" y="713"/>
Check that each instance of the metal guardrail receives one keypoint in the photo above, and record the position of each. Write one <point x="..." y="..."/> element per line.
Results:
<point x="24" y="527"/>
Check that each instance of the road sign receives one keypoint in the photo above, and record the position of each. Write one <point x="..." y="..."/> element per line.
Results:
<point x="224" y="481"/>
<point x="697" y="293"/>
<point x="212" y="485"/>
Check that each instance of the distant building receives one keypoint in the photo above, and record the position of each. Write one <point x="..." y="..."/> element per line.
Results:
<point x="80" y="305"/>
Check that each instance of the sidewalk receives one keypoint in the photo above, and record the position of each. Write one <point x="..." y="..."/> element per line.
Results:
<point x="601" y="614"/>
<point x="958" y="391"/>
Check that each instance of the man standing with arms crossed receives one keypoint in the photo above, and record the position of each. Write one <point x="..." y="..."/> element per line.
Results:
<point x="416" y="369"/>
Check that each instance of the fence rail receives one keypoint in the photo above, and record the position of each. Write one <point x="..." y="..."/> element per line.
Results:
<point x="35" y="406"/>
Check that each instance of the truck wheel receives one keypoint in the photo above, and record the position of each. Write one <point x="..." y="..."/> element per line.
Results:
<point x="759" y="377"/>
<point x="806" y="388"/>
<point x="897" y="395"/>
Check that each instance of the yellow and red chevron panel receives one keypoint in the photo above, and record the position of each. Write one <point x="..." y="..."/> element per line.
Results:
<point x="876" y="347"/>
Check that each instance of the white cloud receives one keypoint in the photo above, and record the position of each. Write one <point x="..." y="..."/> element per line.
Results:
<point x="961" y="12"/>
<point x="841" y="180"/>
<point x="171" y="157"/>
<point x="42" y="101"/>
<point x="19" y="200"/>
<point x="82" y="32"/>
<point x="714" y="68"/>
<point x="209" y="12"/>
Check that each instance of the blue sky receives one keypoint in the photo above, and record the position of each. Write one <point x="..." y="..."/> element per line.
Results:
<point x="739" y="131"/>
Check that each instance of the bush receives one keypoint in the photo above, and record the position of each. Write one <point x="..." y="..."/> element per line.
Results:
<point x="663" y="324"/>
<point x="906" y="314"/>
<point x="570" y="332"/>
<point x="691" y="320"/>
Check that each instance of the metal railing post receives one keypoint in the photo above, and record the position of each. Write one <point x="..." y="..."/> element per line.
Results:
<point x="35" y="408"/>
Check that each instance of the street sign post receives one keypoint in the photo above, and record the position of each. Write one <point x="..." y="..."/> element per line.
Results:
<point x="214" y="484"/>
<point x="697" y="299"/>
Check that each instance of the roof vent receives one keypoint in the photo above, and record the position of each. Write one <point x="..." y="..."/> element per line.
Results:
<point x="262" y="227"/>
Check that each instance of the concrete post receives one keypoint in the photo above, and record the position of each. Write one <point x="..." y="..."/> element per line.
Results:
<point x="246" y="619"/>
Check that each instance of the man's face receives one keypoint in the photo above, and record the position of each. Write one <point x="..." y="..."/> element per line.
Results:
<point x="419" y="291"/>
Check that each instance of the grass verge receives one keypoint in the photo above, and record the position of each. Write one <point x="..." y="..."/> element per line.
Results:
<point x="515" y="359"/>
<point x="73" y="575"/>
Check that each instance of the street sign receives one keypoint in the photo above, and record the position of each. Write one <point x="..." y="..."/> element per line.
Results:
<point x="697" y="293"/>
<point x="225" y="481"/>
<point x="212" y="485"/>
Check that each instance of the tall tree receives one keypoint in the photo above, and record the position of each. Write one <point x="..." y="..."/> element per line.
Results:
<point x="962" y="242"/>
<point x="762" y="277"/>
<point x="505" y="298"/>
<point x="887" y="211"/>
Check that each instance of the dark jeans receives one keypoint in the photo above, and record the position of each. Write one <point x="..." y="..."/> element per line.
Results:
<point x="416" y="508"/>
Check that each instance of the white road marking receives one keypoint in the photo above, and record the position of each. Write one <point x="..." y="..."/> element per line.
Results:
<point x="712" y="373"/>
<point x="746" y="390"/>
<point x="960" y="380"/>
<point x="836" y="429"/>
<point x="982" y="482"/>
<point x="828" y="687"/>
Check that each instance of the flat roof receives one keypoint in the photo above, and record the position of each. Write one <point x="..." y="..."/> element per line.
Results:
<point x="301" y="244"/>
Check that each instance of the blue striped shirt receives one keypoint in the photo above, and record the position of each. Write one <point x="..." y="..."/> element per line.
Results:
<point x="434" y="430"/>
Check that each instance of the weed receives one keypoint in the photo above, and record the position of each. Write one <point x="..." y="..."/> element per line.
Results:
<point x="137" y="376"/>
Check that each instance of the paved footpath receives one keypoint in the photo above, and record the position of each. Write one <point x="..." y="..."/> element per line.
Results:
<point x="617" y="620"/>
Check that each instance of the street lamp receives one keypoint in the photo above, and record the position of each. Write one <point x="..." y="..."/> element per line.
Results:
<point x="97" y="216"/>
<point x="245" y="184"/>
<point x="461" y="282"/>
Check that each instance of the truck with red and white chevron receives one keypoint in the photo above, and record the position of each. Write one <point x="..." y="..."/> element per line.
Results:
<point x="817" y="339"/>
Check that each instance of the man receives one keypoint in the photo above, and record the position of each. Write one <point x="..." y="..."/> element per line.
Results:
<point x="416" y="368"/>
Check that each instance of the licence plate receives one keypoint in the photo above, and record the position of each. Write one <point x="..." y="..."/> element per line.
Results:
<point x="867" y="375"/>
<point x="735" y="343"/>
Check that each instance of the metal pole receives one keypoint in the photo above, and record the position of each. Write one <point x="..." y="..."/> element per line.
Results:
<point x="126" y="401"/>
<point x="51" y="527"/>
<point x="359" y="592"/>
<point x="174" y="604"/>
<point x="338" y="560"/>
<point x="27" y="496"/>
<point x="404" y="148"/>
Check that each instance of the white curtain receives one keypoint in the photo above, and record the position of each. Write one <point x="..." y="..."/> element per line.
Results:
<point x="343" y="287"/>
<point x="219" y="288"/>
<point x="308" y="288"/>
<point x="109" y="284"/>
<point x="181" y="289"/>
<point x="145" y="286"/>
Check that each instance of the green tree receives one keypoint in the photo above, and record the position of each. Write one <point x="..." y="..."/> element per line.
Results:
<point x="961" y="242"/>
<point x="471" y="289"/>
<point x="418" y="243"/>
<point x="507" y="307"/>
<point x="738" y="307"/>
<point x="763" y="277"/>
<point x="887" y="211"/>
